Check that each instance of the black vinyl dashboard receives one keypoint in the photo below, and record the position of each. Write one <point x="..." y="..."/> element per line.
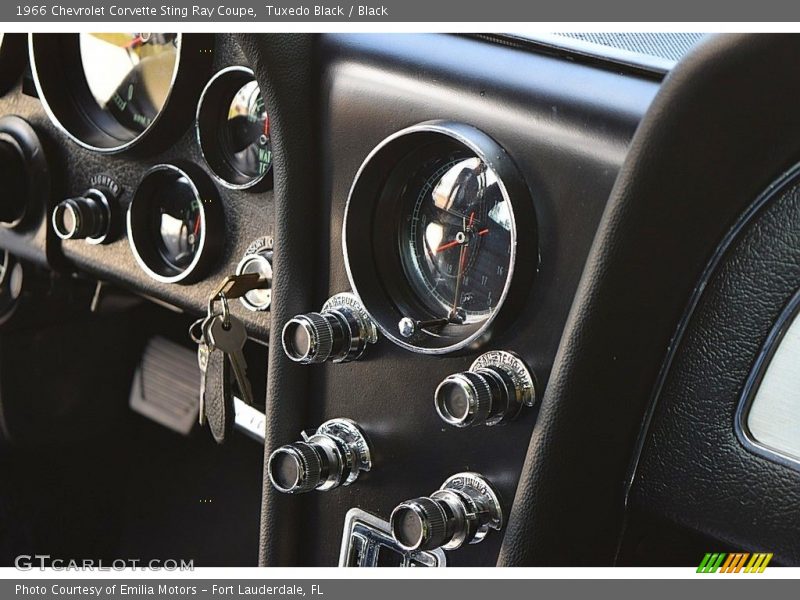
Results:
<point x="426" y="213"/>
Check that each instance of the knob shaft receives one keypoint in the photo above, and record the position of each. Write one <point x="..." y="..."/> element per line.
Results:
<point x="333" y="455"/>
<point x="85" y="217"/>
<point x="461" y="512"/>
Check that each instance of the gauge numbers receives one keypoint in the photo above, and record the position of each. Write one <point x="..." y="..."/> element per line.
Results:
<point x="130" y="74"/>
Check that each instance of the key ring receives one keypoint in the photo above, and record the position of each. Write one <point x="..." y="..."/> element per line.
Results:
<point x="226" y="311"/>
<point x="197" y="337"/>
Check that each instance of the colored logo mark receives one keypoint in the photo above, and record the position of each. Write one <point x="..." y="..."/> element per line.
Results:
<point x="735" y="562"/>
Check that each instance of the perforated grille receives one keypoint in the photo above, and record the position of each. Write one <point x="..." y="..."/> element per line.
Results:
<point x="668" y="46"/>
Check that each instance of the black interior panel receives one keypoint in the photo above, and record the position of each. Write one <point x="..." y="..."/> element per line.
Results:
<point x="569" y="147"/>
<point x="653" y="290"/>
<point x="694" y="469"/>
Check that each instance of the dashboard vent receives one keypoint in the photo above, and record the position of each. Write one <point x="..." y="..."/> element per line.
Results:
<point x="667" y="46"/>
<point x="646" y="53"/>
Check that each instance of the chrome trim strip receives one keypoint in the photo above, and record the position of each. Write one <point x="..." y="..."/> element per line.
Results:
<point x="788" y="323"/>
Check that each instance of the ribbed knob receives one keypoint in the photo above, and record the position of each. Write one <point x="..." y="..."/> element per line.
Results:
<point x="295" y="468"/>
<point x="464" y="399"/>
<point x="420" y="524"/>
<point x="460" y="512"/>
<point x="309" y="338"/>
<point x="83" y="217"/>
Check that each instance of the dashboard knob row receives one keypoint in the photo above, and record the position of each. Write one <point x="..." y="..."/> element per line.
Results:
<point x="462" y="511"/>
<point x="493" y="391"/>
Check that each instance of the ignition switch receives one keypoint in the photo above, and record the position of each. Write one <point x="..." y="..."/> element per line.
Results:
<point x="258" y="259"/>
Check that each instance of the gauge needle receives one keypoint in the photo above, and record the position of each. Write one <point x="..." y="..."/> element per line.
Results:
<point x="462" y="263"/>
<point x="454" y="243"/>
<point x="266" y="125"/>
<point x="137" y="41"/>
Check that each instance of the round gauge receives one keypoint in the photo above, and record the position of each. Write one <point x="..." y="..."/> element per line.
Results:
<point x="456" y="242"/>
<point x="233" y="129"/>
<point x="442" y="203"/>
<point x="129" y="74"/>
<point x="174" y="223"/>
<point x="107" y="91"/>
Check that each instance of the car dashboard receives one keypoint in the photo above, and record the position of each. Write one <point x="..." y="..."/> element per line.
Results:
<point x="406" y="230"/>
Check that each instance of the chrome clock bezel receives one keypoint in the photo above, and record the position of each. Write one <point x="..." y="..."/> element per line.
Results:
<point x="518" y="199"/>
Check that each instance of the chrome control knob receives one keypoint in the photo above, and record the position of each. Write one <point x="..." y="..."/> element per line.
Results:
<point x="334" y="454"/>
<point x="461" y="512"/>
<point x="85" y="217"/>
<point x="493" y="391"/>
<point x="341" y="332"/>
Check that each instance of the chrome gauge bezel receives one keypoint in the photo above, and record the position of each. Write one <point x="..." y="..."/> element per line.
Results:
<point x="62" y="88"/>
<point x="390" y="298"/>
<point x="211" y="224"/>
<point x="221" y="88"/>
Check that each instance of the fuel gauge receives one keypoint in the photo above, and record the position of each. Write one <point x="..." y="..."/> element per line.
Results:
<point x="175" y="223"/>
<point x="233" y="130"/>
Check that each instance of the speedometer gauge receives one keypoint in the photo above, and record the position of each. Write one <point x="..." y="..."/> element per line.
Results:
<point x="432" y="236"/>
<point x="129" y="74"/>
<point x="110" y="92"/>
